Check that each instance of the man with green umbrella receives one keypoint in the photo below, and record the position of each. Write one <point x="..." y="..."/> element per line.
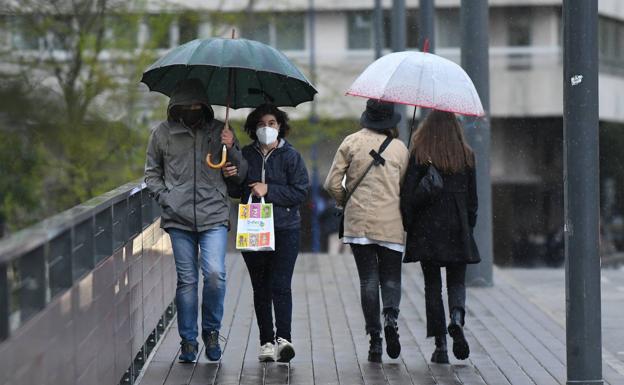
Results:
<point x="195" y="208"/>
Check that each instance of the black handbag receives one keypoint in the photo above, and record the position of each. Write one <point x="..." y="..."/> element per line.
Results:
<point x="429" y="187"/>
<point x="377" y="160"/>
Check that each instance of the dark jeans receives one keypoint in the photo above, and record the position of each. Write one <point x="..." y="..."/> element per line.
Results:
<point x="378" y="266"/>
<point x="271" y="275"/>
<point x="456" y="290"/>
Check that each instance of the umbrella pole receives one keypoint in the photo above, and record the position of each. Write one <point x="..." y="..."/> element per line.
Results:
<point x="409" y="140"/>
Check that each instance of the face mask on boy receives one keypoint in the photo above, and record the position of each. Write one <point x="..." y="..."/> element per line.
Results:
<point x="267" y="135"/>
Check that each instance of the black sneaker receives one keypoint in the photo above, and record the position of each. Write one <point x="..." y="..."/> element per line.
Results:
<point x="188" y="352"/>
<point x="211" y="340"/>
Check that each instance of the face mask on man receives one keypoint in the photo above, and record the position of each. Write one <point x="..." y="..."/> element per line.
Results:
<point x="267" y="135"/>
<point x="191" y="117"/>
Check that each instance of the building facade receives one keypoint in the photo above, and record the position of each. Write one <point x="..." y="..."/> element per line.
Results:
<point x="526" y="87"/>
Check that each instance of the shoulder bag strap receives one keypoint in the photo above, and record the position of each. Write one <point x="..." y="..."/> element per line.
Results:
<point x="373" y="163"/>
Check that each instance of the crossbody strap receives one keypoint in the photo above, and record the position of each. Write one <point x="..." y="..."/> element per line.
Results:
<point x="377" y="160"/>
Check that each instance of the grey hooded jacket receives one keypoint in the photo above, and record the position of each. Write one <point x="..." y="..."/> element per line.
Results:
<point x="192" y="195"/>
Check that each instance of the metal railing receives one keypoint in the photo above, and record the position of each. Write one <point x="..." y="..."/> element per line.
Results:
<point x="99" y="273"/>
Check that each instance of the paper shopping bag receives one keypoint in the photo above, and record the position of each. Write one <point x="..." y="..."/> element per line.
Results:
<point x="255" y="230"/>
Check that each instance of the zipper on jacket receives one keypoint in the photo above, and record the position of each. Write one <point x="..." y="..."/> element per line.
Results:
<point x="264" y="159"/>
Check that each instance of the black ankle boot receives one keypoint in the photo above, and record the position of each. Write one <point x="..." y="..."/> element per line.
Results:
<point x="391" y="331"/>
<point x="375" y="349"/>
<point x="440" y="354"/>
<point x="461" y="350"/>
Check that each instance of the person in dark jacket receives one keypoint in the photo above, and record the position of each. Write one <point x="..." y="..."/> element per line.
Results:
<point x="195" y="208"/>
<point x="277" y="173"/>
<point x="439" y="230"/>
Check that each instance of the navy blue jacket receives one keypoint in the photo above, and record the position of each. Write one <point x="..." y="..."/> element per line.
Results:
<point x="287" y="179"/>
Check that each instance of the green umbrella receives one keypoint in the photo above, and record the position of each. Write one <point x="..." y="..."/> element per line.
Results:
<point x="252" y="72"/>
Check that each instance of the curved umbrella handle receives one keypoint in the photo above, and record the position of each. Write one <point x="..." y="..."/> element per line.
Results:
<point x="221" y="163"/>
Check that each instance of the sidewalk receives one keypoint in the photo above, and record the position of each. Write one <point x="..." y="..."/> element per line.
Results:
<point x="513" y="339"/>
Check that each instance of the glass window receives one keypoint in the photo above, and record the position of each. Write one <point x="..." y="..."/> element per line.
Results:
<point x="412" y="28"/>
<point x="448" y="28"/>
<point x="257" y="27"/>
<point x="360" y="30"/>
<point x="122" y="31"/>
<point x="188" y="24"/>
<point x="24" y="34"/>
<point x="518" y="26"/>
<point x="290" y="32"/>
<point x="158" y="26"/>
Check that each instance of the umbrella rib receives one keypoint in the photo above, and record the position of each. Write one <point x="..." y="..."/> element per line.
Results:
<point x="395" y="72"/>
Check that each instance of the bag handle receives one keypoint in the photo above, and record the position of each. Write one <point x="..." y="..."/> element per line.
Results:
<point x="375" y="161"/>
<point x="249" y="201"/>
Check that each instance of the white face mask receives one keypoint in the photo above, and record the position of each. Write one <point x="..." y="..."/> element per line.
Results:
<point x="267" y="135"/>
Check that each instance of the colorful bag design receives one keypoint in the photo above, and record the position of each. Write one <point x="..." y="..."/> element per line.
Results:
<point x="255" y="230"/>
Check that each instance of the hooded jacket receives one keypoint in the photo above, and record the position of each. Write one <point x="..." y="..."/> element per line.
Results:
<point x="192" y="195"/>
<point x="285" y="174"/>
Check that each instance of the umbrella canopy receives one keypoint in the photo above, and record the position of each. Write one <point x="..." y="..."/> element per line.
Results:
<point x="253" y="72"/>
<point x="419" y="79"/>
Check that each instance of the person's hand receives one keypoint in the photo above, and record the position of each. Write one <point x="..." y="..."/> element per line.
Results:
<point x="227" y="137"/>
<point x="259" y="189"/>
<point x="229" y="170"/>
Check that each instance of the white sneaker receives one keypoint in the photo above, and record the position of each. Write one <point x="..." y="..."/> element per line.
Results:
<point x="267" y="352"/>
<point x="285" y="350"/>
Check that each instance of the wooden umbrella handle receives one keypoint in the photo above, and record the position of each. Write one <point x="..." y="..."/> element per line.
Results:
<point x="221" y="163"/>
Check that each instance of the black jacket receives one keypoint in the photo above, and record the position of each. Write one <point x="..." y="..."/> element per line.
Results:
<point x="287" y="179"/>
<point x="441" y="232"/>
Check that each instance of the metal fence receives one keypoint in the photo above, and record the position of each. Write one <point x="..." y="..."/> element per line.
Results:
<point x="85" y="295"/>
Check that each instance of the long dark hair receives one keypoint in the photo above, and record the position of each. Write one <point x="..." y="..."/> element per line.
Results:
<point x="266" y="109"/>
<point x="440" y="140"/>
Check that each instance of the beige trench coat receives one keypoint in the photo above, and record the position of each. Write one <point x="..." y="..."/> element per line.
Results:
<point x="373" y="210"/>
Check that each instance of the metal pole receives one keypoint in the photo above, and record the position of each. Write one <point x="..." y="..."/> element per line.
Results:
<point x="378" y="25"/>
<point x="398" y="44"/>
<point x="315" y="186"/>
<point x="581" y="192"/>
<point x="475" y="60"/>
<point x="427" y="33"/>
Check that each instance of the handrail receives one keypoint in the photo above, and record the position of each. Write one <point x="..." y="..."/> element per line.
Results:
<point x="44" y="260"/>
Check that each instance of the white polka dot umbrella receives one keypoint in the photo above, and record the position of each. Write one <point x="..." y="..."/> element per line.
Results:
<point x="419" y="79"/>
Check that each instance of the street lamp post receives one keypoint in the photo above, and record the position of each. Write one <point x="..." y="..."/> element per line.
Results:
<point x="398" y="45"/>
<point x="475" y="60"/>
<point x="581" y="192"/>
<point x="427" y="34"/>
<point x="315" y="184"/>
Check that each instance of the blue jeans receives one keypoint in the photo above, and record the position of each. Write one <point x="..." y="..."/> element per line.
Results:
<point x="210" y="245"/>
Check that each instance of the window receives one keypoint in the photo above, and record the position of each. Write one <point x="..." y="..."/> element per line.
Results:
<point x="362" y="32"/>
<point x="289" y="32"/>
<point x="24" y="34"/>
<point x="122" y="31"/>
<point x="448" y="27"/>
<point x="285" y="31"/>
<point x="518" y="26"/>
<point x="188" y="24"/>
<point x="158" y="26"/>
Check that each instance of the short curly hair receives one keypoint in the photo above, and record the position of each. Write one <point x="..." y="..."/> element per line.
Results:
<point x="266" y="109"/>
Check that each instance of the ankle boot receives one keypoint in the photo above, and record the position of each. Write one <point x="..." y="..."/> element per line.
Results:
<point x="440" y="354"/>
<point x="461" y="350"/>
<point x="391" y="331"/>
<point x="375" y="349"/>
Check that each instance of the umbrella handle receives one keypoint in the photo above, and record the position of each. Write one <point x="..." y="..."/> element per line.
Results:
<point x="221" y="163"/>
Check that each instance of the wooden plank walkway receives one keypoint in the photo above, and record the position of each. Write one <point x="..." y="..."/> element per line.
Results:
<point x="512" y="341"/>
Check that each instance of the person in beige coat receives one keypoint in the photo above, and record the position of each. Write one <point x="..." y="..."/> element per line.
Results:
<point x="372" y="217"/>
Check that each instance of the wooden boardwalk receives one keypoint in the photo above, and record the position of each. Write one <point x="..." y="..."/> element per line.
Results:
<point x="512" y="341"/>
